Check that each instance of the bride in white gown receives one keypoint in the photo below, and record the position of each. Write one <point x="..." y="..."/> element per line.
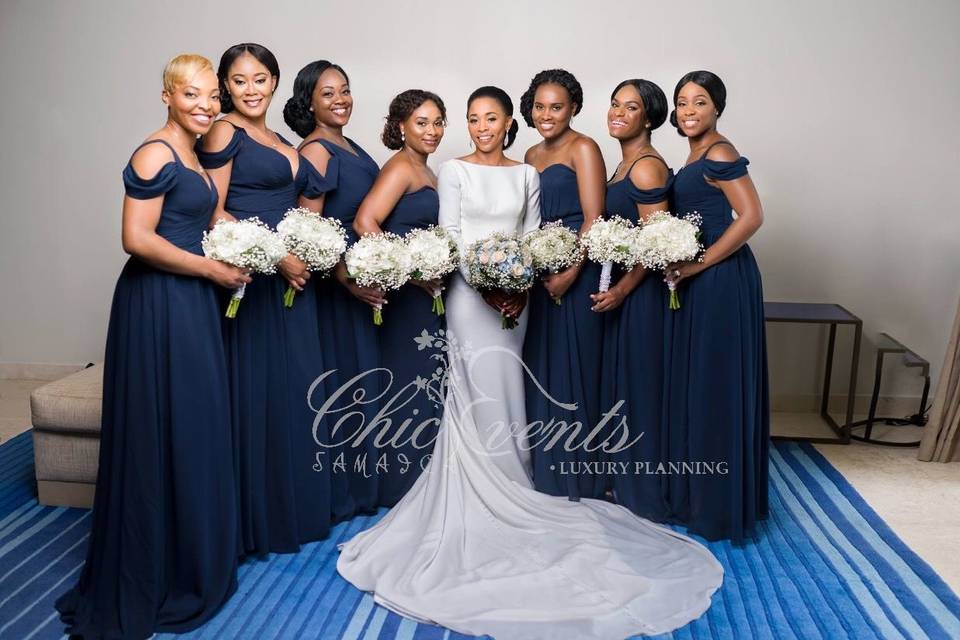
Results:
<point x="472" y="546"/>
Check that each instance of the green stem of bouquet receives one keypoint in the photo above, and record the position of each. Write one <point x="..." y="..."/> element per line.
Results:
<point x="232" y="307"/>
<point x="288" y="297"/>
<point x="674" y="300"/>
<point x="377" y="317"/>
<point x="438" y="307"/>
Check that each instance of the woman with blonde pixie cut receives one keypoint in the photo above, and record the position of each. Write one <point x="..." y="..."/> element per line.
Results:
<point x="162" y="554"/>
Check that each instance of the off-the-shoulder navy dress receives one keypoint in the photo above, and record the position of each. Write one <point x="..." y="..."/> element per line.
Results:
<point x="274" y="357"/>
<point x="162" y="554"/>
<point x="718" y="397"/>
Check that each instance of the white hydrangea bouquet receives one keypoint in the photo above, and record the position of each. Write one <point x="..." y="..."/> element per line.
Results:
<point x="434" y="255"/>
<point x="611" y="240"/>
<point x="554" y="248"/>
<point x="379" y="260"/>
<point x="248" y="244"/>
<point x="499" y="262"/>
<point x="316" y="240"/>
<point x="665" y="239"/>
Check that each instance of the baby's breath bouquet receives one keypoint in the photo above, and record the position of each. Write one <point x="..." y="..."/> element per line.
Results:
<point x="611" y="240"/>
<point x="379" y="260"/>
<point x="665" y="239"/>
<point x="248" y="244"/>
<point x="554" y="248"/>
<point x="434" y="255"/>
<point x="316" y="240"/>
<point x="499" y="262"/>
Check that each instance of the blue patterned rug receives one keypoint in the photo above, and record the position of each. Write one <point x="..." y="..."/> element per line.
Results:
<point x="826" y="567"/>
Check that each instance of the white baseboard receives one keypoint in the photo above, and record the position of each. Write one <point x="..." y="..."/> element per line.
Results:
<point x="895" y="406"/>
<point x="33" y="371"/>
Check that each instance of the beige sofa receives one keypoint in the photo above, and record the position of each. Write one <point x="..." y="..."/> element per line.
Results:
<point x="66" y="437"/>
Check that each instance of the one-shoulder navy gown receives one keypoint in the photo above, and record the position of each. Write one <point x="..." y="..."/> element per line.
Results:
<point x="414" y="402"/>
<point x="162" y="554"/>
<point x="563" y="348"/>
<point x="718" y="407"/>
<point x="633" y="362"/>
<point x="274" y="355"/>
<point x="350" y="341"/>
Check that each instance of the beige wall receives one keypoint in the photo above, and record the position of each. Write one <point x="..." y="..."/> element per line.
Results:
<point x="847" y="111"/>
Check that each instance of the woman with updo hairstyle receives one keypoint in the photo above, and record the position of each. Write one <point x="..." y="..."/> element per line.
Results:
<point x="275" y="352"/>
<point x="635" y="305"/>
<point x="716" y="380"/>
<point x="162" y="555"/>
<point x="339" y="176"/>
<point x="404" y="198"/>
<point x="565" y="338"/>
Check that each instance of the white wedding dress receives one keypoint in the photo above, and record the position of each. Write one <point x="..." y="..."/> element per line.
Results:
<point x="473" y="546"/>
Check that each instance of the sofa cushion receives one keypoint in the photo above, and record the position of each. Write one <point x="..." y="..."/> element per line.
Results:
<point x="66" y="457"/>
<point x="71" y="404"/>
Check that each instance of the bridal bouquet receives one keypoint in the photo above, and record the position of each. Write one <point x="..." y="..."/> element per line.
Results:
<point x="611" y="240"/>
<point x="499" y="262"/>
<point x="379" y="260"/>
<point x="316" y="240"/>
<point x="247" y="244"/>
<point x="434" y="254"/>
<point x="665" y="239"/>
<point x="553" y="247"/>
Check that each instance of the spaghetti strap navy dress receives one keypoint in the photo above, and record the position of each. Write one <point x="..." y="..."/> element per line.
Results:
<point x="633" y="365"/>
<point x="274" y="356"/>
<point x="162" y="554"/>
<point x="351" y="342"/>
<point x="415" y="392"/>
<point x="718" y="395"/>
<point x="563" y="348"/>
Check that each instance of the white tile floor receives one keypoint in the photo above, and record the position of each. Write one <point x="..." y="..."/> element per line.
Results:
<point x="919" y="500"/>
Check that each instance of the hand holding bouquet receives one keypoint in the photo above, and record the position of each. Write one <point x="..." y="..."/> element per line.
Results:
<point x="248" y="244"/>
<point x="379" y="260"/>
<point x="500" y="262"/>
<point x="554" y="248"/>
<point x="316" y="240"/>
<point x="665" y="239"/>
<point x="434" y="255"/>
<point x="611" y="240"/>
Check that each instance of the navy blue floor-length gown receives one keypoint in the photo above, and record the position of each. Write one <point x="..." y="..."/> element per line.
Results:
<point x="718" y="407"/>
<point x="162" y="554"/>
<point x="351" y="342"/>
<point x="408" y="314"/>
<point x="274" y="355"/>
<point x="633" y="362"/>
<point x="563" y="348"/>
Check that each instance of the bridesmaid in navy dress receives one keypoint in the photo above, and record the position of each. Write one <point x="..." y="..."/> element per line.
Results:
<point x="404" y="198"/>
<point x="717" y="371"/>
<point x="162" y="554"/>
<point x="564" y="341"/>
<point x="274" y="352"/>
<point x="635" y="305"/>
<point x="340" y="174"/>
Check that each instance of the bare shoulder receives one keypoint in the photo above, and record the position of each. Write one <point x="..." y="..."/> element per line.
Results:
<point x="530" y="157"/>
<point x="649" y="173"/>
<point x="219" y="136"/>
<point x="398" y="168"/>
<point x="584" y="145"/>
<point x="150" y="158"/>
<point x="317" y="154"/>
<point x="723" y="152"/>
